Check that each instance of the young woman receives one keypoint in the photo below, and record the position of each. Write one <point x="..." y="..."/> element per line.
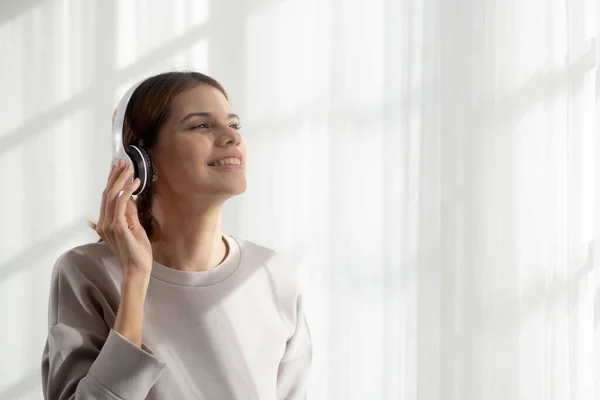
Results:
<point x="165" y="306"/>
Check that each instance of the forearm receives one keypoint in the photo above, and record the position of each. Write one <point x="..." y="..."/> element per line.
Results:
<point x="130" y="315"/>
<point x="81" y="359"/>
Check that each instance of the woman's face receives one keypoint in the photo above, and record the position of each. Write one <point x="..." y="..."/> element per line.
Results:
<point x="200" y="150"/>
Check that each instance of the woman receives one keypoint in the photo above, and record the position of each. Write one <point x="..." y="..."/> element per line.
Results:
<point x="165" y="306"/>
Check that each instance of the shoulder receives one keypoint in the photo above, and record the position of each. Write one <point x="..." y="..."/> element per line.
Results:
<point x="84" y="266"/>
<point x="281" y="268"/>
<point x="279" y="263"/>
<point x="89" y="252"/>
<point x="282" y="271"/>
<point x="83" y="283"/>
<point x="84" y="260"/>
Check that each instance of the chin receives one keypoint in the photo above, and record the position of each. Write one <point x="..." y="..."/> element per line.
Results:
<point x="232" y="190"/>
<point x="241" y="189"/>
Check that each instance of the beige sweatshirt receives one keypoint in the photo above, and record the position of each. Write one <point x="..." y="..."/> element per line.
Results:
<point x="237" y="331"/>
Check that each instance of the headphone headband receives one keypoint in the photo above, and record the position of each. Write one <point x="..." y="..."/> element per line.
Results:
<point x="133" y="154"/>
<point x="118" y="149"/>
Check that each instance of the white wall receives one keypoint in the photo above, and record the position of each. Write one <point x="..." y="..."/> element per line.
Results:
<point x="433" y="165"/>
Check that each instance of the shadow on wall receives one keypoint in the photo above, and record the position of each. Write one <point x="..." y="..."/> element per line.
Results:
<point x="13" y="8"/>
<point x="27" y="257"/>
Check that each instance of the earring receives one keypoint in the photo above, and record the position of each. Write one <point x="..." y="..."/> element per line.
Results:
<point x="154" y="178"/>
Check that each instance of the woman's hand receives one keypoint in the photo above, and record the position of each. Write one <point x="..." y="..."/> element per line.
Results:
<point x="119" y="225"/>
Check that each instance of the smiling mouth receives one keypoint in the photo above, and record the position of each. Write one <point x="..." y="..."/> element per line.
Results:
<point x="227" y="162"/>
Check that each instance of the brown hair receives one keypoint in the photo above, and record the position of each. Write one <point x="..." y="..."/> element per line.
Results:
<point x="146" y="113"/>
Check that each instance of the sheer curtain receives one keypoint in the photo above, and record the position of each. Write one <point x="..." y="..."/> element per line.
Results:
<point x="431" y="166"/>
<point x="437" y="161"/>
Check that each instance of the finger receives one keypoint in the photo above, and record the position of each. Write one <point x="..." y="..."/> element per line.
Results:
<point x="102" y="205"/>
<point x="113" y="192"/>
<point x="124" y="198"/>
<point x="116" y="171"/>
<point x="132" y="217"/>
<point x="110" y="182"/>
<point x="110" y="173"/>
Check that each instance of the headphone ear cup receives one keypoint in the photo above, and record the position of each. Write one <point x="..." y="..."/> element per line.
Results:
<point x="142" y="167"/>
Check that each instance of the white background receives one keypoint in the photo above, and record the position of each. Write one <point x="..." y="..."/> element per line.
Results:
<point x="433" y="164"/>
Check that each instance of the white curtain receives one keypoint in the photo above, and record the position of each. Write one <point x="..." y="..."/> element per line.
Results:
<point x="432" y="166"/>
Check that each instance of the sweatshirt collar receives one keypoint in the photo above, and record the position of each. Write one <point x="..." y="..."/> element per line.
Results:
<point x="201" y="278"/>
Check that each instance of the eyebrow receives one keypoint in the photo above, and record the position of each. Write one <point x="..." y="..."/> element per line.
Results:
<point x="206" y="114"/>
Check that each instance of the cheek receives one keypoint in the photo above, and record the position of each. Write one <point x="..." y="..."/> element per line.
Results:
<point x="184" y="163"/>
<point x="187" y="175"/>
<point x="192" y="165"/>
<point x="192" y="152"/>
<point x="244" y="150"/>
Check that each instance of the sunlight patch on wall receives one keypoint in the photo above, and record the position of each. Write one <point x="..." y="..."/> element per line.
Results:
<point x="144" y="27"/>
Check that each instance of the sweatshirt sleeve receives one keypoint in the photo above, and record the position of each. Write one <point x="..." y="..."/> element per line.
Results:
<point x="292" y="375"/>
<point x="83" y="358"/>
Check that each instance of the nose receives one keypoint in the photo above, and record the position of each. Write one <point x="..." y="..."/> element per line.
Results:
<point x="228" y="137"/>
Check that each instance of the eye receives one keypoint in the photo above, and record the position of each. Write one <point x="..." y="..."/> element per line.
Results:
<point x="201" y="125"/>
<point x="236" y="125"/>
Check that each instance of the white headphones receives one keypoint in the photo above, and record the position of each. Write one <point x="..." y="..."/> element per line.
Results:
<point x="135" y="155"/>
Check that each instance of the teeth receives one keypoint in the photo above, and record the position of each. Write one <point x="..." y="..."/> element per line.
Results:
<point x="227" y="161"/>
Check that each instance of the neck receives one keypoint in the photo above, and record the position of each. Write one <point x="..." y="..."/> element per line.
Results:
<point x="188" y="237"/>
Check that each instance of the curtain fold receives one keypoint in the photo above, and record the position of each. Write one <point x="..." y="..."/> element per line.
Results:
<point x="451" y="222"/>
